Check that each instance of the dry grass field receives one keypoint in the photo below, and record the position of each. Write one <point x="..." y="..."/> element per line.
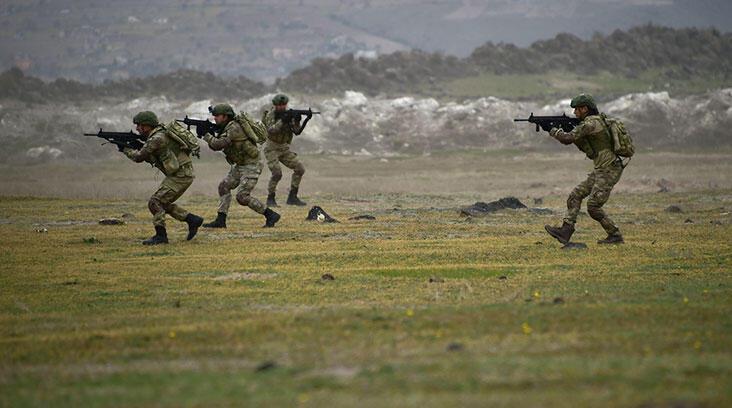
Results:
<point x="426" y="308"/>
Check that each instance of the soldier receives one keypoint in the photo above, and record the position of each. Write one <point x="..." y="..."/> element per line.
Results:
<point x="593" y="138"/>
<point x="246" y="164"/>
<point x="277" y="149"/>
<point x="164" y="153"/>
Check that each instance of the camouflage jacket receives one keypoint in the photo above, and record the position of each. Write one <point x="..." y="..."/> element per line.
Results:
<point x="592" y="138"/>
<point x="160" y="151"/>
<point x="237" y="146"/>
<point x="277" y="130"/>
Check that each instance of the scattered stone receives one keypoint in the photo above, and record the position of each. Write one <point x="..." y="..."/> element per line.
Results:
<point x="71" y="282"/>
<point x="688" y="221"/>
<point x="363" y="217"/>
<point x="480" y="208"/>
<point x="715" y="222"/>
<point x="538" y="201"/>
<point x="558" y="300"/>
<point x="266" y="366"/>
<point x="318" y="214"/>
<point x="574" y="245"/>
<point x="436" y="280"/>
<point x="327" y="276"/>
<point x="91" y="240"/>
<point x="502" y="277"/>
<point x="538" y="243"/>
<point x="42" y="230"/>
<point x="111" y="221"/>
<point x="674" y="209"/>
<point x="128" y="216"/>
<point x="455" y="346"/>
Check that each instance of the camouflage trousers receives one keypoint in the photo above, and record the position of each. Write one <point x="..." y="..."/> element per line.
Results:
<point x="280" y="152"/>
<point x="244" y="176"/>
<point x="598" y="186"/>
<point x="171" y="189"/>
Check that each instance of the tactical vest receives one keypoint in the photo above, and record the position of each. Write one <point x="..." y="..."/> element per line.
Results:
<point x="599" y="143"/>
<point x="170" y="157"/>
<point x="235" y="152"/>
<point x="282" y="136"/>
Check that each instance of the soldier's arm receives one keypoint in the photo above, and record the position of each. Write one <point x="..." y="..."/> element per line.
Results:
<point x="218" y="143"/>
<point x="148" y="150"/>
<point x="578" y="133"/>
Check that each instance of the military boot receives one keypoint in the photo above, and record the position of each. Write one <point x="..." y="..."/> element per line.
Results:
<point x="614" y="238"/>
<point x="160" y="237"/>
<point x="563" y="233"/>
<point x="193" y="222"/>
<point x="292" y="198"/>
<point x="272" y="218"/>
<point x="271" y="200"/>
<point x="219" y="222"/>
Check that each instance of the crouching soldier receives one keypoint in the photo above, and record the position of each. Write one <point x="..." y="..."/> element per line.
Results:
<point x="168" y="156"/>
<point x="245" y="159"/>
<point x="593" y="138"/>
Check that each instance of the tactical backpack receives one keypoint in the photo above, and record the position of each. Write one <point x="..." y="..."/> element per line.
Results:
<point x="622" y="142"/>
<point x="184" y="137"/>
<point x="255" y="130"/>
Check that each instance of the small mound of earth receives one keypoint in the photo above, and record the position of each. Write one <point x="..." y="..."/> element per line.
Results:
<point x="480" y="208"/>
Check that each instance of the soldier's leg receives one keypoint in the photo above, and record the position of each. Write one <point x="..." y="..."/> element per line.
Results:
<point x="175" y="187"/>
<point x="605" y="180"/>
<point x="230" y="182"/>
<point x="574" y="201"/>
<point x="249" y="177"/>
<point x="290" y="160"/>
<point x="273" y="162"/>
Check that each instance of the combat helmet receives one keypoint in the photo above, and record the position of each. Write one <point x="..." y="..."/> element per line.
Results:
<point x="583" y="100"/>
<point x="280" y="99"/>
<point x="145" y="118"/>
<point x="222" y="109"/>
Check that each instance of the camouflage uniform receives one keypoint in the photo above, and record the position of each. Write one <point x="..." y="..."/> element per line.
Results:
<point x="591" y="137"/>
<point x="246" y="166"/>
<point x="165" y="154"/>
<point x="277" y="149"/>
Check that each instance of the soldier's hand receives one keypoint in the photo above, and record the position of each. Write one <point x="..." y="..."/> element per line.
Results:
<point x="120" y="148"/>
<point x="200" y="131"/>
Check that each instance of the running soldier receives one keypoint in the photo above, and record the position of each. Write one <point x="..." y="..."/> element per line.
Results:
<point x="245" y="159"/>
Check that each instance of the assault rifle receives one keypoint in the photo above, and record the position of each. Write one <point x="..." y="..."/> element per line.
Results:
<point x="548" y="122"/>
<point x="203" y="126"/>
<point x="293" y="116"/>
<point x="120" y="139"/>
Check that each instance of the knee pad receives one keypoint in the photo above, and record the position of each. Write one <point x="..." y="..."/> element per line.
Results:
<point x="223" y="189"/>
<point x="243" y="199"/>
<point x="595" y="212"/>
<point x="155" y="206"/>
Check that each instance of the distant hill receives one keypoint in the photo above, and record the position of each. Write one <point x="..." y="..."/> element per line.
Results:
<point x="637" y="57"/>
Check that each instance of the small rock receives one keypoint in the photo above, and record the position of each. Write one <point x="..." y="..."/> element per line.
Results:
<point x="688" y="221"/>
<point x="111" y="221"/>
<point x="91" y="240"/>
<point x="42" y="230"/>
<point x="715" y="222"/>
<point x="538" y="201"/>
<point x="363" y="217"/>
<point x="176" y="303"/>
<point x="502" y="277"/>
<point x="436" y="280"/>
<point x="316" y="213"/>
<point x="574" y="245"/>
<point x="558" y="300"/>
<point x="128" y="216"/>
<point x="265" y="366"/>
<point x="71" y="282"/>
<point x="455" y="347"/>
<point x="327" y="276"/>
<point x="674" y="209"/>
